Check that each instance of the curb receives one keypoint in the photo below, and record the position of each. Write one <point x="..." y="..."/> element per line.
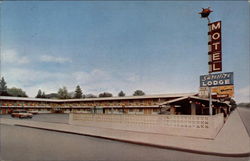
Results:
<point x="143" y="143"/>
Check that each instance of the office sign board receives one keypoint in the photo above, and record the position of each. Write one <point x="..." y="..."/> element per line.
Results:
<point x="220" y="79"/>
<point x="203" y="92"/>
<point x="214" y="47"/>
<point x="222" y="91"/>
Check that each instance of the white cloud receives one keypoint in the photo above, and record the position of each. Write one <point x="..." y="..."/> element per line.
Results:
<point x="94" y="81"/>
<point x="95" y="75"/>
<point x="54" y="59"/>
<point x="11" y="57"/>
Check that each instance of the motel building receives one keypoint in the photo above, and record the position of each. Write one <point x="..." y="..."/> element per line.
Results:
<point x="165" y="104"/>
<point x="184" y="114"/>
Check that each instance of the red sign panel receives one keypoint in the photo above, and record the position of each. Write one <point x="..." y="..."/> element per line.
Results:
<point x="214" y="47"/>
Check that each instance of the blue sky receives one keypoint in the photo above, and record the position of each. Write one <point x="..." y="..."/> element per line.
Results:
<point x="159" y="47"/>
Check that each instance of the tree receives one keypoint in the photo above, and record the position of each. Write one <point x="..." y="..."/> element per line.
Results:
<point x="43" y="95"/>
<point x="233" y="104"/>
<point x="78" y="92"/>
<point x="105" y="94"/>
<point x="63" y="93"/>
<point x="121" y="94"/>
<point x="39" y="94"/>
<point x="16" y="92"/>
<point x="3" y="87"/>
<point x="138" y="93"/>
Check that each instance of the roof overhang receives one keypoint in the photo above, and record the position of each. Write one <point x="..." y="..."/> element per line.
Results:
<point x="98" y="99"/>
<point x="192" y="98"/>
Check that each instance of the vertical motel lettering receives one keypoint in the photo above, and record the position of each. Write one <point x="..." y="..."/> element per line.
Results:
<point x="214" y="47"/>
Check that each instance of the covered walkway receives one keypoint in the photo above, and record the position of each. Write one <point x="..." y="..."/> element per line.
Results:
<point x="193" y="105"/>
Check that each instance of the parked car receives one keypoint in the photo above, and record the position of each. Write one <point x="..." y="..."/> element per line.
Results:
<point x="21" y="114"/>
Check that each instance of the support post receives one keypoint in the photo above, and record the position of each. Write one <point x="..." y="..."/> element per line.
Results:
<point x="209" y="73"/>
<point x="193" y="108"/>
<point x="210" y="102"/>
<point x="172" y="110"/>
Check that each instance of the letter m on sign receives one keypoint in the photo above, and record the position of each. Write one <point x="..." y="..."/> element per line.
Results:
<point x="215" y="26"/>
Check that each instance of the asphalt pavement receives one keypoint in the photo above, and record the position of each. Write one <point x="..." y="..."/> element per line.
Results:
<point x="22" y="143"/>
<point x="28" y="144"/>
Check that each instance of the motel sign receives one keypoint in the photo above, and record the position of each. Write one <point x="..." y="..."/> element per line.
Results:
<point x="221" y="79"/>
<point x="214" y="47"/>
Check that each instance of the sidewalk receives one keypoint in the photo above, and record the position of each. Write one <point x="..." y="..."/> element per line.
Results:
<point x="232" y="140"/>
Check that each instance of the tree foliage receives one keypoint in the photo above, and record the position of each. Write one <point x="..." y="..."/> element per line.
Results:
<point x="3" y="87"/>
<point x="121" y="94"/>
<point x="43" y="95"/>
<point x="39" y="94"/>
<point x="63" y="93"/>
<point x="78" y="92"/>
<point x="17" y="92"/>
<point x="105" y="94"/>
<point x="138" y="93"/>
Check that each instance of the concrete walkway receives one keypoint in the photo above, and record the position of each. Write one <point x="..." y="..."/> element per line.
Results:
<point x="232" y="140"/>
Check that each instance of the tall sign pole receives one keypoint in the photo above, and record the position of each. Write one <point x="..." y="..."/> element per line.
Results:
<point x="214" y="49"/>
<point x="222" y="83"/>
<point x="209" y="71"/>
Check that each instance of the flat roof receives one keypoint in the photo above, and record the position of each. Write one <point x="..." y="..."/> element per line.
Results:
<point x="98" y="99"/>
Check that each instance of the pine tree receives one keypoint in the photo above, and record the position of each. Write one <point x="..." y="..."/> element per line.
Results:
<point x="43" y="95"/>
<point x="121" y="94"/>
<point x="39" y="94"/>
<point x="3" y="88"/>
<point x="78" y="92"/>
